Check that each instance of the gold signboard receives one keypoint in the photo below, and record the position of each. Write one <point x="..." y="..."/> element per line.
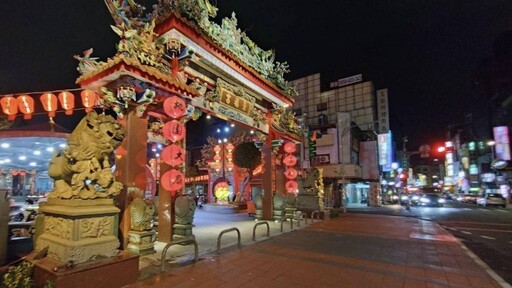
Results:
<point x="230" y="99"/>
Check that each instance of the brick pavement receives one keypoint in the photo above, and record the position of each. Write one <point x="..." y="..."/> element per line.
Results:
<point x="353" y="250"/>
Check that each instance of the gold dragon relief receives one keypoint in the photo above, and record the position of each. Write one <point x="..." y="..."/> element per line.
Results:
<point x="96" y="227"/>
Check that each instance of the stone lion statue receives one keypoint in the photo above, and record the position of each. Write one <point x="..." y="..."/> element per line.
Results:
<point x="82" y="170"/>
<point x="313" y="183"/>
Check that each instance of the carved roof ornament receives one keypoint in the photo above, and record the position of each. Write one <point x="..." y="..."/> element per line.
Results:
<point x="128" y="17"/>
<point x="285" y="121"/>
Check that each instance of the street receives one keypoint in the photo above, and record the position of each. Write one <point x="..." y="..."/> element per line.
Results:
<point x="486" y="231"/>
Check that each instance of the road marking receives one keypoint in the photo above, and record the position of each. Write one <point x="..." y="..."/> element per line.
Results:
<point x="487" y="237"/>
<point x="466" y="232"/>
<point x="505" y="211"/>
<point x="482" y="209"/>
<point x="484" y="223"/>
<point x="483" y="229"/>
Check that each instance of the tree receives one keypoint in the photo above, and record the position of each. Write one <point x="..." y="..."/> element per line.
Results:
<point x="247" y="155"/>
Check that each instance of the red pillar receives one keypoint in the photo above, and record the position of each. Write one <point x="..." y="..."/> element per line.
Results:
<point x="131" y="168"/>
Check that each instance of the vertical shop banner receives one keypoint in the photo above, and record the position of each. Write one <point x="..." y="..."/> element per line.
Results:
<point x="502" y="146"/>
<point x="385" y="152"/>
<point x="368" y="160"/>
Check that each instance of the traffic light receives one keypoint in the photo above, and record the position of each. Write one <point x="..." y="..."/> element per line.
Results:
<point x="312" y="144"/>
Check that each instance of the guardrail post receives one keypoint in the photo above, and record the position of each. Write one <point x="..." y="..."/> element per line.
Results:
<point x="254" y="229"/>
<point x="225" y="231"/>
<point x="181" y="241"/>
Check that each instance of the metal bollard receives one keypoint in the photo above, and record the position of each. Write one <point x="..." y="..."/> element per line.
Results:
<point x="254" y="229"/>
<point x="225" y="231"/>
<point x="181" y="241"/>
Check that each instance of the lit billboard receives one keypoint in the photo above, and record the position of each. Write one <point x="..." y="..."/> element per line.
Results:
<point x="502" y="142"/>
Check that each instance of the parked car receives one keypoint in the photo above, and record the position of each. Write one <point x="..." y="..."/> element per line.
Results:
<point x="413" y="197"/>
<point x="469" y="198"/>
<point x="432" y="200"/>
<point x="492" y="199"/>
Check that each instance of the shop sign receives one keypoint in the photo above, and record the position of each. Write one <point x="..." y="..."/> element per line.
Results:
<point x="320" y="159"/>
<point x="499" y="164"/>
<point x="228" y="98"/>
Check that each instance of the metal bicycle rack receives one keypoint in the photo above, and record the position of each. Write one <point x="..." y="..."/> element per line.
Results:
<point x="181" y="241"/>
<point x="317" y="213"/>
<point x="291" y="223"/>
<point x="304" y="216"/>
<point x="256" y="225"/>
<point x="225" y="231"/>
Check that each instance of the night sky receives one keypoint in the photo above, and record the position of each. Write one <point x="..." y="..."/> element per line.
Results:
<point x="424" y="51"/>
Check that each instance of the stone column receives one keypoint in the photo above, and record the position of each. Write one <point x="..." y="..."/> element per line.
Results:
<point x="165" y="209"/>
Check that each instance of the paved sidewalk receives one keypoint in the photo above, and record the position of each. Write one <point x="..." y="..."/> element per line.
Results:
<point x="353" y="250"/>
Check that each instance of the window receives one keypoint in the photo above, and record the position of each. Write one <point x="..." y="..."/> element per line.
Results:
<point x="321" y="107"/>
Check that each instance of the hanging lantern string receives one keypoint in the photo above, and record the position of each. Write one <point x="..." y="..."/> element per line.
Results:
<point x="52" y="91"/>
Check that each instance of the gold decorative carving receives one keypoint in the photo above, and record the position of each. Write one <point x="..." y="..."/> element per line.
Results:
<point x="141" y="215"/>
<point x="58" y="227"/>
<point x="96" y="227"/>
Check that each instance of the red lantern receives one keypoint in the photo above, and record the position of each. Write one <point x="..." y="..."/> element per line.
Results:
<point x="230" y="147"/>
<point x="217" y="158"/>
<point x="229" y="156"/>
<point x="15" y="172"/>
<point x="175" y="107"/>
<point x="49" y="102"/>
<point x="174" y="131"/>
<point x="291" y="173"/>
<point x="290" y="160"/>
<point x="9" y="107"/>
<point x="230" y="165"/>
<point x="173" y="180"/>
<point x="26" y="106"/>
<point x="217" y="148"/>
<point x="88" y="99"/>
<point x="67" y="101"/>
<point x="173" y="155"/>
<point x="289" y="147"/>
<point x="292" y="186"/>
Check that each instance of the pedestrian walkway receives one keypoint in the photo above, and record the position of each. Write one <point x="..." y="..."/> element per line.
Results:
<point x="353" y="250"/>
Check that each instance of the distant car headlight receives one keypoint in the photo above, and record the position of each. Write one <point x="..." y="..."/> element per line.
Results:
<point x="395" y="197"/>
<point x="415" y="197"/>
<point x="441" y="200"/>
<point x="405" y="198"/>
<point x="459" y="198"/>
<point x="425" y="200"/>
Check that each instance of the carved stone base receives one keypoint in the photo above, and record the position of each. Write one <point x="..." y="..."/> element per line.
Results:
<point x="79" y="230"/>
<point x="142" y="242"/>
<point x="258" y="214"/>
<point x="113" y="272"/>
<point x="309" y="203"/>
<point x="278" y="215"/>
<point x="289" y="212"/>
<point x="181" y="230"/>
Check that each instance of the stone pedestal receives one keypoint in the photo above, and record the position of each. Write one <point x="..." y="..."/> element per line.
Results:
<point x="112" y="272"/>
<point x="79" y="230"/>
<point x="289" y="212"/>
<point x="309" y="203"/>
<point x="182" y="231"/>
<point x="4" y="225"/>
<point x="142" y="242"/>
